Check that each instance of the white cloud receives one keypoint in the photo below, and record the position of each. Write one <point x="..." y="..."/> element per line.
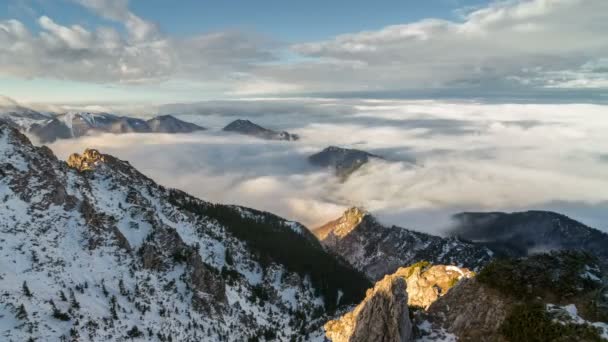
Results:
<point x="469" y="156"/>
<point x="493" y="46"/>
<point x="504" y="46"/>
<point x="143" y="55"/>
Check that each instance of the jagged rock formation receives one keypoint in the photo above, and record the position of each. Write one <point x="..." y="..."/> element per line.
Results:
<point x="342" y="160"/>
<point x="48" y="128"/>
<point x="520" y="300"/>
<point x="524" y="233"/>
<point x="378" y="250"/>
<point x="249" y="128"/>
<point x="382" y="316"/>
<point x="87" y="161"/>
<point x="108" y="254"/>
<point x="426" y="283"/>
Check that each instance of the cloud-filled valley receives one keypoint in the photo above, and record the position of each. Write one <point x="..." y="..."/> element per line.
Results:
<point x="441" y="158"/>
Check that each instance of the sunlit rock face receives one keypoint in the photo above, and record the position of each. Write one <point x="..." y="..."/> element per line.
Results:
<point x="426" y="283"/>
<point x="377" y="250"/>
<point x="87" y="161"/>
<point x="382" y="316"/>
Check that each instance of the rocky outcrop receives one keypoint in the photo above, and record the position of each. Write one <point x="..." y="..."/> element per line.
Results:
<point x="426" y="283"/>
<point x="378" y="250"/>
<point x="88" y="161"/>
<point x="471" y="311"/>
<point x="383" y="316"/>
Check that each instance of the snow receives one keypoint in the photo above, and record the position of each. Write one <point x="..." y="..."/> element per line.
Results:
<point x="455" y="269"/>
<point x="573" y="317"/>
<point x="48" y="248"/>
<point x="433" y="334"/>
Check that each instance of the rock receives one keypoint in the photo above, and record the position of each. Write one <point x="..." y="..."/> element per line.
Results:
<point x="89" y="160"/>
<point x="383" y="316"/>
<point x="426" y="284"/>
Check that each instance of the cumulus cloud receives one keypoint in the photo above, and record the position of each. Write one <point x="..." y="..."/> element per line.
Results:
<point x="505" y="46"/>
<point x="499" y="159"/>
<point x="508" y="44"/>
<point x="142" y="55"/>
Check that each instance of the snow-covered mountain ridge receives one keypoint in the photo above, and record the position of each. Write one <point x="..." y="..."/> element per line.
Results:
<point x="103" y="253"/>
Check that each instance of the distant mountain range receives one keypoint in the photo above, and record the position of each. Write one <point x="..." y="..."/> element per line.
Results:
<point x="249" y="128"/>
<point x="48" y="128"/>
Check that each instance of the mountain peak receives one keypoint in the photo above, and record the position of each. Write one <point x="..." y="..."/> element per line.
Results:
<point x="342" y="226"/>
<point x="89" y="160"/>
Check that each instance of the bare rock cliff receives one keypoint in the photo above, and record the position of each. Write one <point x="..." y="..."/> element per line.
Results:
<point x="383" y="316"/>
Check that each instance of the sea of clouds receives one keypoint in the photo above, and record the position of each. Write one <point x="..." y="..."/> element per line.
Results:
<point x="442" y="157"/>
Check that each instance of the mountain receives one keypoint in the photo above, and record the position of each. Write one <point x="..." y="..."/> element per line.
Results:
<point x="342" y="160"/>
<point x="524" y="233"/>
<point x="384" y="313"/>
<point x="76" y="124"/>
<point x="93" y="250"/>
<point x="249" y="128"/>
<point x="22" y="117"/>
<point x="170" y="124"/>
<point x="561" y="296"/>
<point x="377" y="250"/>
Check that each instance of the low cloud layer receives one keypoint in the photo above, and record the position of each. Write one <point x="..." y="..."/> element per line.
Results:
<point x="468" y="156"/>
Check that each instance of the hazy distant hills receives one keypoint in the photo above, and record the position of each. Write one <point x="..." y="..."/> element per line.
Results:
<point x="524" y="233"/>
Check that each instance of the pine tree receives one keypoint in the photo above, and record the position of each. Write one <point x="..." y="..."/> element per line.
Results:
<point x="21" y="313"/>
<point x="62" y="296"/>
<point x="73" y="302"/>
<point x="26" y="290"/>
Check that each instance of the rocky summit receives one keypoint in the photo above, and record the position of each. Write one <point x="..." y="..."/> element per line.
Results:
<point x="376" y="250"/>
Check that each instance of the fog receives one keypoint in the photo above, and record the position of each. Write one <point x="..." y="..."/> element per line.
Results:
<point x="441" y="158"/>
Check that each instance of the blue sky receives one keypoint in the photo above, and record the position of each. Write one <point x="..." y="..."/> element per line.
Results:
<point x="178" y="51"/>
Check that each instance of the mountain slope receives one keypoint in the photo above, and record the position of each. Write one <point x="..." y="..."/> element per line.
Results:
<point x="93" y="250"/>
<point x="546" y="297"/>
<point x="523" y="233"/>
<point x="378" y="250"/>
